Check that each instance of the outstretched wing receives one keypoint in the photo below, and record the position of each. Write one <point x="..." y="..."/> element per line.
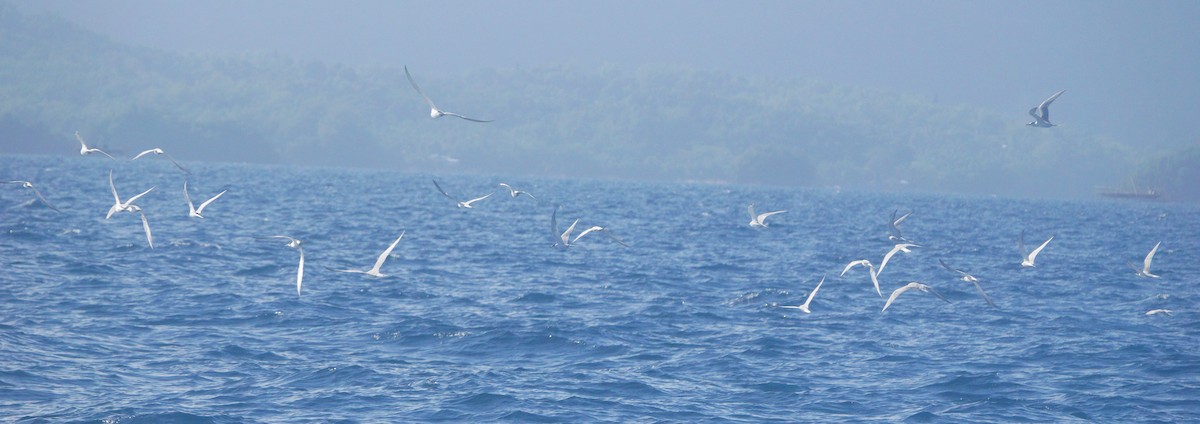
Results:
<point x="464" y="117"/>
<point x="383" y="256"/>
<point x="206" y="202"/>
<point x="415" y="87"/>
<point x="439" y="187"/>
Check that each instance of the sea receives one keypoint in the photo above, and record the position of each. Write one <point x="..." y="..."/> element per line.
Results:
<point x="480" y="318"/>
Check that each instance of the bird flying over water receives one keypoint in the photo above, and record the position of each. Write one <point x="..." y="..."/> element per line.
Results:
<point x="1041" y="113"/>
<point x="870" y="268"/>
<point x="193" y="211"/>
<point x="118" y="205"/>
<point x="902" y="247"/>
<point x="1029" y="258"/>
<point x="970" y="279"/>
<point x="374" y="271"/>
<point x="434" y="112"/>
<point x="295" y="244"/>
<point x="758" y="220"/>
<point x="808" y="301"/>
<point x="84" y="150"/>
<point x="1145" y="271"/>
<point x="461" y="204"/>
<point x="146" y="227"/>
<point x="29" y="185"/>
<point x="514" y="192"/>
<point x="598" y="229"/>
<point x="894" y="226"/>
<point x="910" y="286"/>
<point x="159" y="151"/>
<point x="564" y="240"/>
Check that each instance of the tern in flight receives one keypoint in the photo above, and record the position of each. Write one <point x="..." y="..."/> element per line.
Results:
<point x="461" y="204"/>
<point x="870" y="268"/>
<point x="118" y="205"/>
<point x="1166" y="312"/>
<point x="84" y="150"/>
<point x="1144" y="272"/>
<point x="564" y="240"/>
<point x="434" y="112"/>
<point x="909" y="286"/>
<point x="811" y="295"/>
<point x="374" y="271"/>
<point x="757" y="220"/>
<point x="295" y="244"/>
<point x="30" y="186"/>
<point x="1041" y="113"/>
<point x="597" y="229"/>
<point x="894" y="226"/>
<point x="970" y="279"/>
<point x="193" y="211"/>
<point x="902" y="247"/>
<point x="514" y="192"/>
<point x="1028" y="258"/>
<point x="159" y="151"/>
<point x="146" y="226"/>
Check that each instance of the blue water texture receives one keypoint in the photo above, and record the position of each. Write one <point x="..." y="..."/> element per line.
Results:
<point x="480" y="319"/>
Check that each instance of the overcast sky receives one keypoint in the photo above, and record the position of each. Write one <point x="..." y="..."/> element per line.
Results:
<point x="1129" y="67"/>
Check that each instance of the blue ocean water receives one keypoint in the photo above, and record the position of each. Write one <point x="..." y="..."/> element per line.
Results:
<point x="480" y="319"/>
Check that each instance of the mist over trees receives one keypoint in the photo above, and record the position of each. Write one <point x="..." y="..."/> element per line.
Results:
<point x="648" y="123"/>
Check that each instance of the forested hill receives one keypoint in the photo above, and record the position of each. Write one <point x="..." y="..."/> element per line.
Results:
<point x="649" y="123"/>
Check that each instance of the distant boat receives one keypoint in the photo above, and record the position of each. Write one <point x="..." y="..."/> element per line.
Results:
<point x="1132" y="192"/>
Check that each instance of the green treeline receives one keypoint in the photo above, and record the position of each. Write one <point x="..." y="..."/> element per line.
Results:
<point x="608" y="122"/>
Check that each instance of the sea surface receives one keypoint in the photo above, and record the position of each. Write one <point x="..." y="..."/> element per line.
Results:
<point x="480" y="319"/>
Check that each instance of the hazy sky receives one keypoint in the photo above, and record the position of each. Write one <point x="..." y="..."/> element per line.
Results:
<point x="1129" y="67"/>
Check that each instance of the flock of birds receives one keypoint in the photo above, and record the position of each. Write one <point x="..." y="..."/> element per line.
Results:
<point x="564" y="239"/>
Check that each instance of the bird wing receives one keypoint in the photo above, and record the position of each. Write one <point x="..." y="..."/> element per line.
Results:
<point x="415" y="87"/>
<point x="469" y="202"/>
<point x="511" y="192"/>
<point x="439" y="187"/>
<point x="113" y="187"/>
<point x="143" y="154"/>
<point x="47" y="203"/>
<point x="177" y="165"/>
<point x="1145" y="264"/>
<point x="614" y="238"/>
<point x="852" y="264"/>
<point x="566" y="235"/>
<point x="134" y="198"/>
<point x="896" y="294"/>
<point x="763" y="217"/>
<point x="888" y="257"/>
<point x="1021" y="245"/>
<point x="554" y="234"/>
<point x="814" y="292"/>
<point x="146" y="226"/>
<point x="930" y="290"/>
<point x="1034" y="253"/>
<point x="464" y="117"/>
<point x="206" y="202"/>
<point x="585" y="232"/>
<point x="1046" y="103"/>
<point x="383" y="256"/>
<point x="300" y="272"/>
<point x="985" y="296"/>
<point x="875" y="279"/>
<point x="959" y="271"/>
<point x="188" y="197"/>
<point x="897" y="221"/>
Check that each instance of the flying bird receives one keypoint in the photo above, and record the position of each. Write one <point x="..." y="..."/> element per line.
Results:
<point x="159" y="151"/>
<point x="811" y="295"/>
<point x="84" y="150"/>
<point x="295" y="244"/>
<point x="461" y="204"/>
<point x="909" y="286"/>
<point x="597" y="229"/>
<point x="757" y="220"/>
<point x="564" y="240"/>
<point x="870" y="268"/>
<point x="434" y="112"/>
<point x="374" y="271"/>
<point x="29" y="185"/>
<point x="146" y="227"/>
<point x="1029" y="258"/>
<point x="970" y="279"/>
<point x="1166" y="312"/>
<point x="193" y="211"/>
<point x="894" y="226"/>
<point x="118" y="205"/>
<point x="514" y="192"/>
<point x="902" y="247"/>
<point x="1145" y="271"/>
<point x="1041" y="113"/>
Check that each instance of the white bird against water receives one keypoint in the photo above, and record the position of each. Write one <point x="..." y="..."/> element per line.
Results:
<point x="870" y="268"/>
<point x="970" y="279"/>
<point x="295" y="244"/>
<point x="193" y="211"/>
<point x="84" y="150"/>
<point x="29" y="185"/>
<point x="1166" y="312"/>
<point x="597" y="229"/>
<point x="1145" y="271"/>
<point x="146" y="227"/>
<point x="374" y="271"/>
<point x="563" y="239"/>
<point x="514" y="192"/>
<point x="758" y="220"/>
<point x="808" y="301"/>
<point x="434" y="112"/>
<point x="159" y="151"/>
<point x="1028" y="259"/>
<point x="461" y="204"/>
<point x="902" y="247"/>
<point x="118" y="205"/>
<point x="910" y="286"/>
<point x="894" y="226"/>
<point x="1041" y="113"/>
